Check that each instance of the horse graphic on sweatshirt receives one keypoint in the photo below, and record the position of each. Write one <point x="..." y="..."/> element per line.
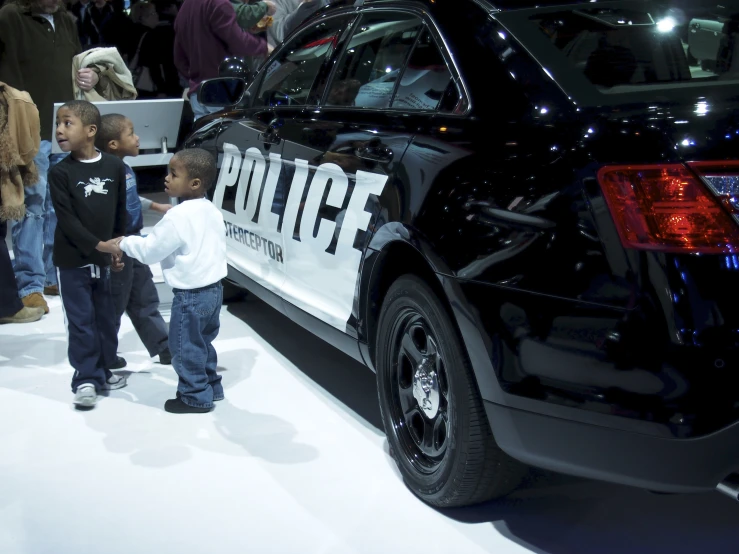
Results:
<point x="96" y="184"/>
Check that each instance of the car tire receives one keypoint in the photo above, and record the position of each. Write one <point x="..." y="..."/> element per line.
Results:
<point x="431" y="408"/>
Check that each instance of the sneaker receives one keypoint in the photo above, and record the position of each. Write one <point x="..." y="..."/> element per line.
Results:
<point x="119" y="363"/>
<point x="165" y="357"/>
<point x="26" y="315"/>
<point x="116" y="382"/>
<point x="85" y="396"/>
<point x="35" y="300"/>
<point x="52" y="290"/>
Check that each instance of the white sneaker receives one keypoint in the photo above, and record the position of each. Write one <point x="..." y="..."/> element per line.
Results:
<point x="116" y="382"/>
<point x="85" y="396"/>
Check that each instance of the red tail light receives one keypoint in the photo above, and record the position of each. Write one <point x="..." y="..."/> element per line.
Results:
<point x="667" y="208"/>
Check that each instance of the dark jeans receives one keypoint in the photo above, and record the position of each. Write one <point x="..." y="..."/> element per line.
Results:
<point x="10" y="304"/>
<point x="194" y="325"/>
<point x="90" y="316"/>
<point x="135" y="293"/>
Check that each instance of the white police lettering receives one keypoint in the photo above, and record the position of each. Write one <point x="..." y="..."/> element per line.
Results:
<point x="289" y="259"/>
<point x="339" y="186"/>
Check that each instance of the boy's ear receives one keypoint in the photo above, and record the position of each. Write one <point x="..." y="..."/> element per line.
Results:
<point x="195" y="184"/>
<point x="92" y="130"/>
<point x="112" y="145"/>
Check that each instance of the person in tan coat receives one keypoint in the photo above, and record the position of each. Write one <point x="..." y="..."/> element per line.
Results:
<point x="19" y="144"/>
<point x="38" y="40"/>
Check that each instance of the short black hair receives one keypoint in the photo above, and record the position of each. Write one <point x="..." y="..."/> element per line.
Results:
<point x="199" y="164"/>
<point x="87" y="112"/>
<point x="110" y="128"/>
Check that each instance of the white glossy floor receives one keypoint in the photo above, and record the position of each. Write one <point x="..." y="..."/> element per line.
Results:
<point x="291" y="462"/>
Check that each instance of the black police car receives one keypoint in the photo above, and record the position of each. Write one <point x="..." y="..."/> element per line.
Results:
<point x="522" y="215"/>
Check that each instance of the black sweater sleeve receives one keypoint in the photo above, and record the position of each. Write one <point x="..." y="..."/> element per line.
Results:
<point x="67" y="219"/>
<point x="119" y="229"/>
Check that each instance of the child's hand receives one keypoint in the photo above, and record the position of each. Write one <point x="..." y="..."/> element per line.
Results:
<point x="161" y="208"/>
<point x="117" y="263"/>
<point x="111" y="247"/>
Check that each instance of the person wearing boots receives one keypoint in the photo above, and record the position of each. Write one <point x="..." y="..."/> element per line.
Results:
<point x="19" y="123"/>
<point x="38" y="40"/>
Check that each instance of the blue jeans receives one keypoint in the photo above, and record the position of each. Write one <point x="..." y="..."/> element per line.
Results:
<point x="198" y="110"/>
<point x="33" y="238"/>
<point x="193" y="326"/>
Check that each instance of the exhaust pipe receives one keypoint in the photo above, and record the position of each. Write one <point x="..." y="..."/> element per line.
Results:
<point x="730" y="486"/>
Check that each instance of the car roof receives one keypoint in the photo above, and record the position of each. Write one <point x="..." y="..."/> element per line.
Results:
<point x="502" y="5"/>
<point x="508" y="5"/>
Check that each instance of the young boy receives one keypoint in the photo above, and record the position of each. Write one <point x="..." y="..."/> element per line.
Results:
<point x="190" y="244"/>
<point x="133" y="288"/>
<point x="88" y="190"/>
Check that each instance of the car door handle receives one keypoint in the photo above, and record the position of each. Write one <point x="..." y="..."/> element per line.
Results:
<point x="377" y="152"/>
<point x="270" y="136"/>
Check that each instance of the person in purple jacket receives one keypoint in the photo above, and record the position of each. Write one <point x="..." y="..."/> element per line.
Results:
<point x="206" y="32"/>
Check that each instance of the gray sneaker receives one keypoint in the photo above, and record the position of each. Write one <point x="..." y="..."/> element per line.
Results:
<point x="85" y="396"/>
<point x="116" y="382"/>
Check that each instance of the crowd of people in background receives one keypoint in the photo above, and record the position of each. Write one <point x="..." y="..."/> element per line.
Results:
<point x="166" y="48"/>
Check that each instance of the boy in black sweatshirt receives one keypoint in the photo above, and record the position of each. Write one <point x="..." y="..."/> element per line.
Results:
<point x="88" y="190"/>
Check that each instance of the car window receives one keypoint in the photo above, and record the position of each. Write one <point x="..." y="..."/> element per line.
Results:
<point x="651" y="47"/>
<point x="373" y="59"/>
<point x="289" y="78"/>
<point x="425" y="79"/>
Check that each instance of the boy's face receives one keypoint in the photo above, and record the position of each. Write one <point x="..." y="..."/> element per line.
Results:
<point x="71" y="134"/>
<point x="128" y="143"/>
<point x="177" y="183"/>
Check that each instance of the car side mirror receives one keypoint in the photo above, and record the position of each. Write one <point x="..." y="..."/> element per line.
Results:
<point x="222" y="92"/>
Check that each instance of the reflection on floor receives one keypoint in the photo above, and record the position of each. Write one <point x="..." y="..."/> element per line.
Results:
<point x="293" y="461"/>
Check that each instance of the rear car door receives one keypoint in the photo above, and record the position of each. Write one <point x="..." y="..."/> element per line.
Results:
<point x="347" y="149"/>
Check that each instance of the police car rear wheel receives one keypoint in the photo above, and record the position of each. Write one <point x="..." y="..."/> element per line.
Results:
<point x="431" y="409"/>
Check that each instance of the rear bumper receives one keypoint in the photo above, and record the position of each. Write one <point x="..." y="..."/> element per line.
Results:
<point x="655" y="463"/>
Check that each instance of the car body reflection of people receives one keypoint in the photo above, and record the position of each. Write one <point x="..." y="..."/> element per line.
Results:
<point x="206" y="32"/>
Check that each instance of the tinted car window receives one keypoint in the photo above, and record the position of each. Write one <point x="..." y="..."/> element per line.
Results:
<point x="425" y="79"/>
<point x="373" y="59"/>
<point x="654" y="46"/>
<point x="289" y="78"/>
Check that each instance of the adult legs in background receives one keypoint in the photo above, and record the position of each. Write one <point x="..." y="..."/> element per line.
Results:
<point x="33" y="237"/>
<point x="11" y="307"/>
<point x="28" y="234"/>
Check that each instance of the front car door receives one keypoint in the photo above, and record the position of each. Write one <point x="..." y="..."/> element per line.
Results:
<point x="348" y="148"/>
<point x="253" y="188"/>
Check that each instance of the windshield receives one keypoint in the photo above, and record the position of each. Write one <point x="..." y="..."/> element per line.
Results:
<point x="643" y="48"/>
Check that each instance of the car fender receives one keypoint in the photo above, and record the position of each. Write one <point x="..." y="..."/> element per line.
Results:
<point x="396" y="249"/>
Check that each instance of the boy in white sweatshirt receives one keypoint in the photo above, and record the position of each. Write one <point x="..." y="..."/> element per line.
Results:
<point x="190" y="244"/>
